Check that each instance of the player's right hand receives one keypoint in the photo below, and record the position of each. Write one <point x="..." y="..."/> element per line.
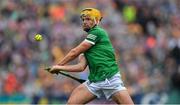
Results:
<point x="49" y="69"/>
<point x="54" y="69"/>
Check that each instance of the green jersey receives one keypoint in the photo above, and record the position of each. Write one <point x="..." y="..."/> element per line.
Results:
<point x="100" y="57"/>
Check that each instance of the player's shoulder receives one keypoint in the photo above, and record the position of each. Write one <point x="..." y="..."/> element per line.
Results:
<point x="97" y="30"/>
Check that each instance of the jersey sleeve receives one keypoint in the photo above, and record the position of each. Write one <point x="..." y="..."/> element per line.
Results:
<point x="93" y="37"/>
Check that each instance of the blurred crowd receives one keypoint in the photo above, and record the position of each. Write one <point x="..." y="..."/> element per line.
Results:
<point x="144" y="33"/>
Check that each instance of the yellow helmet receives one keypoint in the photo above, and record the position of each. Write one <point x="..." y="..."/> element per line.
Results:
<point x="92" y="13"/>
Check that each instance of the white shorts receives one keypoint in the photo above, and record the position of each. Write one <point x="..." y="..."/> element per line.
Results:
<point x="107" y="87"/>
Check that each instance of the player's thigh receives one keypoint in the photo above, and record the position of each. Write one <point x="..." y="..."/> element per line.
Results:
<point x="122" y="97"/>
<point x="81" y="95"/>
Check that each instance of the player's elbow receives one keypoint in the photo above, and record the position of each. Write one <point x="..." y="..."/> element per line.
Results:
<point x="81" y="67"/>
<point x="77" y="68"/>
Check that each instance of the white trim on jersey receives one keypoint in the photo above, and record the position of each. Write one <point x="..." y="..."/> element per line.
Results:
<point x="91" y="36"/>
<point x="89" y="42"/>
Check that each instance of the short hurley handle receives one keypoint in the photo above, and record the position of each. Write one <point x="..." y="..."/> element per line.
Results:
<point x="65" y="74"/>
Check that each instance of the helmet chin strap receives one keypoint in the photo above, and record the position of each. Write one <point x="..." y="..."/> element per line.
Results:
<point x="96" y="22"/>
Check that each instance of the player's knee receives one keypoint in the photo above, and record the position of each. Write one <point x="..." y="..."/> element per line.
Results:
<point x="70" y="102"/>
<point x="122" y="97"/>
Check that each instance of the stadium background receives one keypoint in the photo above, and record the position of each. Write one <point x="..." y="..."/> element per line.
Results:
<point x="144" y="33"/>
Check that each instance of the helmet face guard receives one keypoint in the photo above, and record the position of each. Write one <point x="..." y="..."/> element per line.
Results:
<point x="92" y="13"/>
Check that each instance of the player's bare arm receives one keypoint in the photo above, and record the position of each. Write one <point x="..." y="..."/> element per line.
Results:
<point x="72" y="68"/>
<point x="82" y="47"/>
